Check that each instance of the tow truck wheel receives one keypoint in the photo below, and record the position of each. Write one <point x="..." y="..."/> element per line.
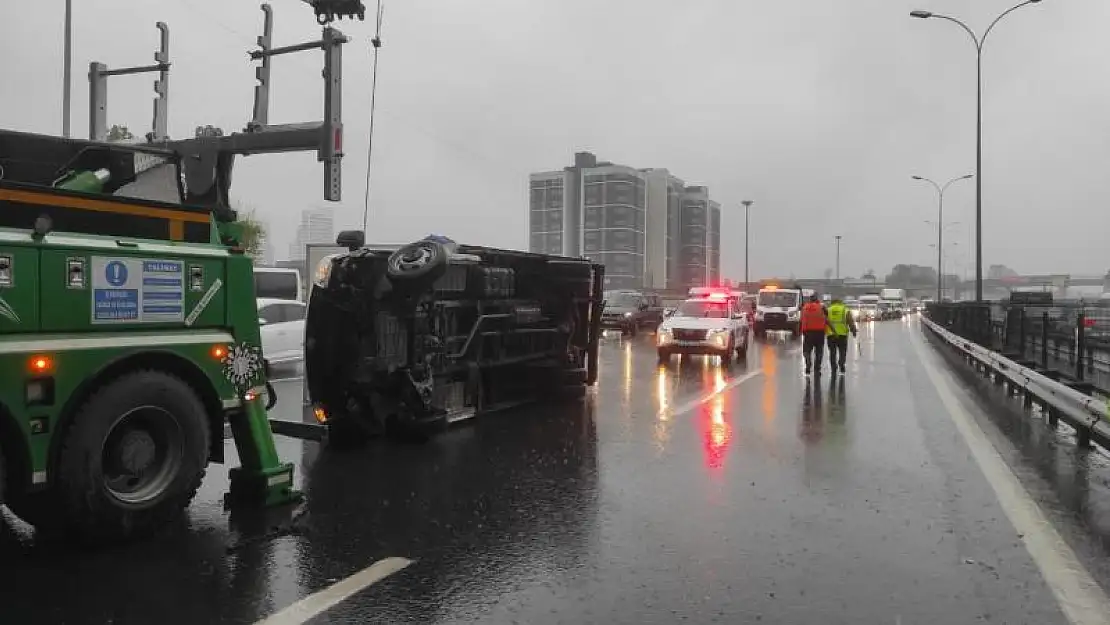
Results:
<point x="133" y="458"/>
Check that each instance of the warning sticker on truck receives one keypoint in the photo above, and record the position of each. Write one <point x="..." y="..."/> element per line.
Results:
<point x="137" y="290"/>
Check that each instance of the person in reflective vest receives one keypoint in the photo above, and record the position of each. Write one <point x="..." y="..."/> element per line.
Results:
<point x="814" y="323"/>
<point x="840" y="324"/>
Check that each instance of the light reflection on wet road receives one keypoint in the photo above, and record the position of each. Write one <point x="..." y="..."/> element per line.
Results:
<point x="683" y="493"/>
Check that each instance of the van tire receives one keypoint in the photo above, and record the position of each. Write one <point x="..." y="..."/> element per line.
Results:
<point x="422" y="262"/>
<point x="94" y="506"/>
<point x="3" y="475"/>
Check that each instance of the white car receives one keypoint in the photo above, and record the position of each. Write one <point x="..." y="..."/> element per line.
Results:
<point x="281" y="324"/>
<point x="712" y="324"/>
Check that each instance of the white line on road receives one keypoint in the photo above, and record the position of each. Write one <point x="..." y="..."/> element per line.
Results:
<point x="322" y="601"/>
<point x="1079" y="596"/>
<point x="691" y="405"/>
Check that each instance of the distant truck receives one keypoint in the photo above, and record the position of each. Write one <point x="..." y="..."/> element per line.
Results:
<point x="896" y="296"/>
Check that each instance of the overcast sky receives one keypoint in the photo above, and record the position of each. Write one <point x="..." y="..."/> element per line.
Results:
<point x="818" y="111"/>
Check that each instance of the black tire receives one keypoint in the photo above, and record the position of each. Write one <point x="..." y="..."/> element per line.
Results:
<point x="3" y="475"/>
<point x="629" y="330"/>
<point x="420" y="262"/>
<point x="742" y="351"/>
<point x="664" y="357"/>
<point x="93" y="495"/>
<point x="726" y="357"/>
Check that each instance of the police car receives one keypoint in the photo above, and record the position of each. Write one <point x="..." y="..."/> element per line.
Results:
<point x="711" y="322"/>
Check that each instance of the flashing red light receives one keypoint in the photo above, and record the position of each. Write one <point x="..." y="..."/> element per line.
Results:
<point x="718" y="296"/>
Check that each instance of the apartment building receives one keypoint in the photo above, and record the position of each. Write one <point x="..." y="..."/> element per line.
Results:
<point x="645" y="225"/>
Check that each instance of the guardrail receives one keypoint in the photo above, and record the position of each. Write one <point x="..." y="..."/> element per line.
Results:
<point x="1086" y="414"/>
<point x="1069" y="338"/>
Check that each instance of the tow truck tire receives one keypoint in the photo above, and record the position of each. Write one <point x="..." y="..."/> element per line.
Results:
<point x="420" y="262"/>
<point x="133" y="458"/>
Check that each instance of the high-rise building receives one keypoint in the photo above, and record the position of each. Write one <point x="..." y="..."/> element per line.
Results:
<point x="317" y="226"/>
<point x="699" y="233"/>
<point x="642" y="224"/>
<point x="614" y="223"/>
<point x="664" y="201"/>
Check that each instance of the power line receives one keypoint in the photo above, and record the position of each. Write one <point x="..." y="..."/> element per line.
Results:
<point x="377" y="43"/>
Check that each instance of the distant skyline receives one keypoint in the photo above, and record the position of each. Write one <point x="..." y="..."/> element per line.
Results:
<point x="819" y="112"/>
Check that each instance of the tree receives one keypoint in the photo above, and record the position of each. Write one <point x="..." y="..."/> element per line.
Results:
<point x="868" y="275"/>
<point x="119" y="133"/>
<point x="904" y="276"/>
<point x="254" y="232"/>
<point x="997" y="272"/>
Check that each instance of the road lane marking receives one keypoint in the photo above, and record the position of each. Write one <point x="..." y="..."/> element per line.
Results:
<point x="691" y="405"/>
<point x="1080" y="597"/>
<point x="319" y="602"/>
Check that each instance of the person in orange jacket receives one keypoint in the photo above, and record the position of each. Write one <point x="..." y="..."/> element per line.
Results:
<point x="815" y="321"/>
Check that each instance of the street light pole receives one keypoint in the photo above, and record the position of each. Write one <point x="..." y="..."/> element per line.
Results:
<point x="67" y="63"/>
<point x="978" y="41"/>
<point x="838" y="237"/>
<point x="940" y="227"/>
<point x="747" y="223"/>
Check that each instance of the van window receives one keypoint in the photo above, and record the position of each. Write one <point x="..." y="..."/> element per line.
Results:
<point x="276" y="285"/>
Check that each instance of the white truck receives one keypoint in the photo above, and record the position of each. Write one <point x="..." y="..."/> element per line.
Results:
<point x="895" y="300"/>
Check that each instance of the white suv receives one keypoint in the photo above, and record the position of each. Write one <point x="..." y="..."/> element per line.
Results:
<point x="711" y="324"/>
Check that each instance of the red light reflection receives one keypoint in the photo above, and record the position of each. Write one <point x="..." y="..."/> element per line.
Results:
<point x="717" y="432"/>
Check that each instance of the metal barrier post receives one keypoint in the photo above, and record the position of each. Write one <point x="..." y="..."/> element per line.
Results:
<point x="1021" y="332"/>
<point x="1044" y="340"/>
<point x="1080" y="345"/>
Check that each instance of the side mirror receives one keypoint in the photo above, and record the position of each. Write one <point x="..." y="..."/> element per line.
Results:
<point x="351" y="239"/>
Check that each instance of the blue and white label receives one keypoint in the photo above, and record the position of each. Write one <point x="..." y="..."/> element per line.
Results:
<point x="136" y="290"/>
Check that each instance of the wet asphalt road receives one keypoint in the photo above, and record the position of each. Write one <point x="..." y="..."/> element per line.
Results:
<point x="683" y="494"/>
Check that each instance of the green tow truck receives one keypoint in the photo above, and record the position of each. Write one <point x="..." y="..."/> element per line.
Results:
<point x="129" y="334"/>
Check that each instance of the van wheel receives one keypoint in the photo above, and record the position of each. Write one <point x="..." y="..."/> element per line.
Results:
<point x="422" y="261"/>
<point x="132" y="460"/>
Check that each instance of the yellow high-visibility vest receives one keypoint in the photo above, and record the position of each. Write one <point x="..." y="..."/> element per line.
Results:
<point x="838" y="320"/>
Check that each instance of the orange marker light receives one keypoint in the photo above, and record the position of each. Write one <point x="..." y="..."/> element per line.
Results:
<point x="40" y="364"/>
<point x="320" y="414"/>
<point x="219" y="351"/>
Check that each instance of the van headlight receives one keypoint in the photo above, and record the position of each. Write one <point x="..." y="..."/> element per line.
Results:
<point x="323" y="271"/>
<point x="793" y="315"/>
